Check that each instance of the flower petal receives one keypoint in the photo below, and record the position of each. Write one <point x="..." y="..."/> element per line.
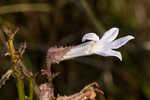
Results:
<point x="120" y="42"/>
<point x="110" y="53"/>
<point x="110" y="35"/>
<point x="79" y="50"/>
<point x="90" y="36"/>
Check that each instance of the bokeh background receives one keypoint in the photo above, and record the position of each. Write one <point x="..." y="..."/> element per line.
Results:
<point x="46" y="23"/>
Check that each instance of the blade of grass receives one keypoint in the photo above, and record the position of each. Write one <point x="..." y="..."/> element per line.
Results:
<point x="40" y="7"/>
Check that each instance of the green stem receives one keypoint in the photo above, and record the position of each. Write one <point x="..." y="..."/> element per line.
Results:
<point x="14" y="58"/>
<point x="31" y="79"/>
<point x="30" y="89"/>
<point x="20" y="84"/>
<point x="20" y="87"/>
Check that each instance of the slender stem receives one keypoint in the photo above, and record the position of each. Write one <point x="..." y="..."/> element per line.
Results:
<point x="11" y="49"/>
<point x="14" y="58"/>
<point x="30" y="89"/>
<point x="31" y="79"/>
<point x="20" y="88"/>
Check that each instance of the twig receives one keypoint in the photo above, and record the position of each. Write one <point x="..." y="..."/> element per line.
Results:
<point x="87" y="93"/>
<point x="17" y="64"/>
<point x="18" y="67"/>
<point x="5" y="77"/>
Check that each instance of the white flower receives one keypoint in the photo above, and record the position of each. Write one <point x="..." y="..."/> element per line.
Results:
<point x="103" y="46"/>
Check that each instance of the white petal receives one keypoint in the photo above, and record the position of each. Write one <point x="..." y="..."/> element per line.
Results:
<point x="79" y="50"/>
<point x="120" y="42"/>
<point x="110" y="53"/>
<point x="90" y="36"/>
<point x="110" y="35"/>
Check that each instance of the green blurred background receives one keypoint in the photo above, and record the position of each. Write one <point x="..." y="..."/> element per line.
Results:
<point x="46" y="23"/>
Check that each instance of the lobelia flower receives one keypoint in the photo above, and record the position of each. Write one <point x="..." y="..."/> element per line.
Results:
<point x="104" y="46"/>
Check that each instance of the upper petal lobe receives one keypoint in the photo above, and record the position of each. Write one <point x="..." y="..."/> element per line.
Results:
<point x="110" y="35"/>
<point x="90" y="36"/>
